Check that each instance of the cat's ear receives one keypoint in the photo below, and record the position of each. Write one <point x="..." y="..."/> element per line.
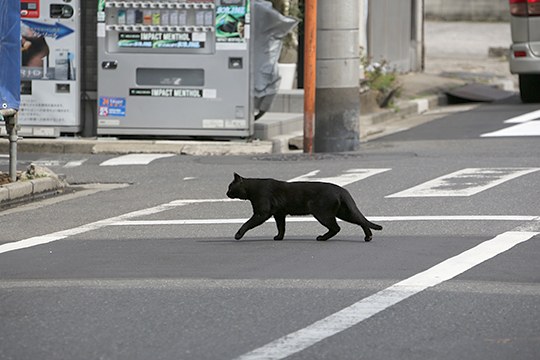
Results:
<point x="237" y="177"/>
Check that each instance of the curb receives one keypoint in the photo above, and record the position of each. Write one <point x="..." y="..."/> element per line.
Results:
<point x="101" y="146"/>
<point x="23" y="190"/>
<point x="376" y="122"/>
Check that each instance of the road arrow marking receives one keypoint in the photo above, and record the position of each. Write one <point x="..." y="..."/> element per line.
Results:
<point x="529" y="128"/>
<point x="526" y="126"/>
<point x="534" y="115"/>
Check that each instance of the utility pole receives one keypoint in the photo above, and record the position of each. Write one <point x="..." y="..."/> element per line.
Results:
<point x="310" y="72"/>
<point x="337" y="95"/>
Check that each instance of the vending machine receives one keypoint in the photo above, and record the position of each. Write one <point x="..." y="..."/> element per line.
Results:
<point x="50" y="58"/>
<point x="174" y="68"/>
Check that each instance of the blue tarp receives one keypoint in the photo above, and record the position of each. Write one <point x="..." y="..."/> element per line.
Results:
<point x="10" y="54"/>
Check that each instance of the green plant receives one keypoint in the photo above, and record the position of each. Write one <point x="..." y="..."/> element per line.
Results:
<point x="381" y="78"/>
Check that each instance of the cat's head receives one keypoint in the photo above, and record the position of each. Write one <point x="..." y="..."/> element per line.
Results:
<point x="237" y="189"/>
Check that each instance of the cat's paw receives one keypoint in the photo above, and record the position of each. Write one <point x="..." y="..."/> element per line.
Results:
<point x="278" y="237"/>
<point x="367" y="238"/>
<point x="321" y="238"/>
<point x="238" y="236"/>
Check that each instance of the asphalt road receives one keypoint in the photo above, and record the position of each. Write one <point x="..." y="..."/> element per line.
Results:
<point x="144" y="265"/>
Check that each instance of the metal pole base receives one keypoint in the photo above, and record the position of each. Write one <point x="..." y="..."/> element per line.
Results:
<point x="10" y="118"/>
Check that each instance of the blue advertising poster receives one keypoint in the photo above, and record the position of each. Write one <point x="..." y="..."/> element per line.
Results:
<point x="10" y="54"/>
<point x="112" y="106"/>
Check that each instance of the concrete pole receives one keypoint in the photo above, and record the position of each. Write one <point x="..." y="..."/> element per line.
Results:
<point x="418" y="37"/>
<point x="337" y="94"/>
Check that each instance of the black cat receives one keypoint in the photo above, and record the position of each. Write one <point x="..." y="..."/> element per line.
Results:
<point x="276" y="198"/>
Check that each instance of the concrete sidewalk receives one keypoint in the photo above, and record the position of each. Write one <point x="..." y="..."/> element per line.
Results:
<point x="457" y="53"/>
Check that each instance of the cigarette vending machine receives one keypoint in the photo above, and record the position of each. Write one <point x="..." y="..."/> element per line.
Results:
<point x="174" y="68"/>
<point x="50" y="58"/>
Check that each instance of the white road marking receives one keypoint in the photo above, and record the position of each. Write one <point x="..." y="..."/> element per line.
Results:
<point x="380" y="301"/>
<point x="464" y="182"/>
<point x="312" y="219"/>
<point x="59" y="235"/>
<point x="534" y="115"/>
<point x="134" y="159"/>
<point x="75" y="163"/>
<point x="348" y="177"/>
<point x="124" y="220"/>
<point x="530" y="128"/>
<point x="47" y="163"/>
<point x="526" y="126"/>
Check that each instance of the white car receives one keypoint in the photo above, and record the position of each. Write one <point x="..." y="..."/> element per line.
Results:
<point x="525" y="49"/>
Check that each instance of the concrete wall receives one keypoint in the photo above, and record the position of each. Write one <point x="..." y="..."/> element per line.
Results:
<point x="470" y="10"/>
<point x="394" y="32"/>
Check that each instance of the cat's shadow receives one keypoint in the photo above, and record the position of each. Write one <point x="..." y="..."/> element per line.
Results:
<point x="292" y="239"/>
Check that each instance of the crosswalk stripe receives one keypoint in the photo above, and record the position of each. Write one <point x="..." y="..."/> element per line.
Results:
<point x="465" y="182"/>
<point x="348" y="177"/>
<point x="134" y="159"/>
<point x="75" y="163"/>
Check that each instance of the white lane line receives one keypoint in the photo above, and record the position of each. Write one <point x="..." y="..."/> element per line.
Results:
<point x="531" y="128"/>
<point x="312" y="219"/>
<point x="534" y="115"/>
<point x="464" y="182"/>
<point x="380" y="301"/>
<point x="134" y="159"/>
<point x="348" y="177"/>
<point x="59" y="235"/>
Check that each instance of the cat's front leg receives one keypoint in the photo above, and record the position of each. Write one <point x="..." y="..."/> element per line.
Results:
<point x="254" y="221"/>
<point x="280" y="222"/>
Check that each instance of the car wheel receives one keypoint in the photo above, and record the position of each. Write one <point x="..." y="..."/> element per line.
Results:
<point x="529" y="88"/>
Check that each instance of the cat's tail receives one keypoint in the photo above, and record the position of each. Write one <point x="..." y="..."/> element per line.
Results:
<point x="360" y="218"/>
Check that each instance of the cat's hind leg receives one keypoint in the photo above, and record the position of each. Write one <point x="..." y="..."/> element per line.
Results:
<point x="329" y="221"/>
<point x="280" y="222"/>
